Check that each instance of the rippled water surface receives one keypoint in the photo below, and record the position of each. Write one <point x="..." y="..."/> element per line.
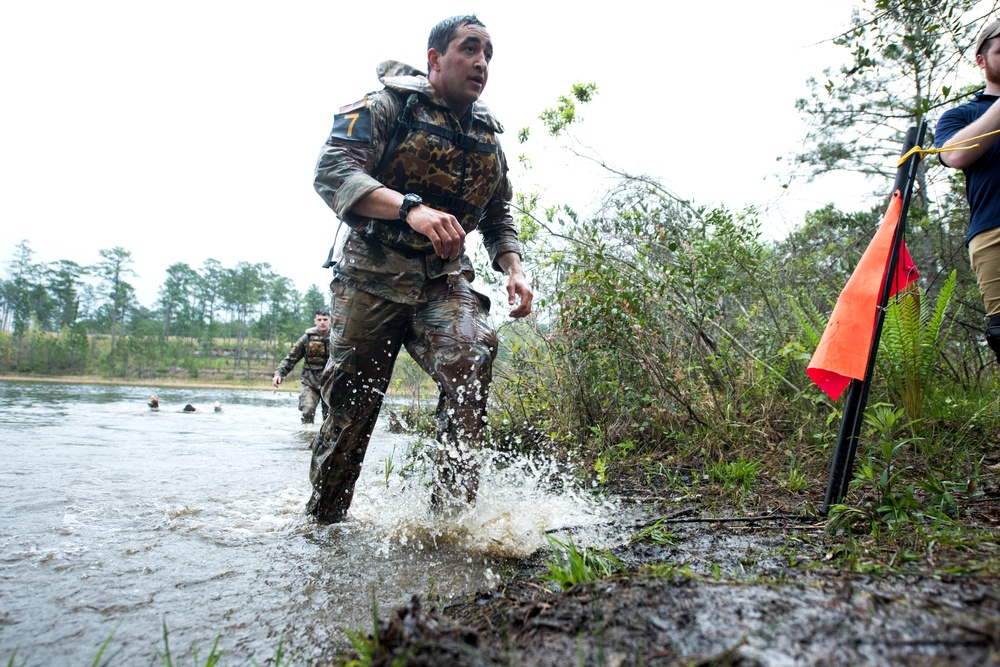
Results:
<point x="117" y="521"/>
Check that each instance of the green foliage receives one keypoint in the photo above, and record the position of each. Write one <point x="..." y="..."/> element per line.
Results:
<point x="913" y="336"/>
<point x="795" y="481"/>
<point x="570" y="565"/>
<point x="212" y="660"/>
<point x="368" y="648"/>
<point x="903" y="62"/>
<point x="655" y="534"/>
<point x="558" y="119"/>
<point x="895" y="495"/>
<point x="39" y="300"/>
<point x="660" y="322"/>
<point x="167" y="659"/>
<point x="880" y="474"/>
<point x="739" y="474"/>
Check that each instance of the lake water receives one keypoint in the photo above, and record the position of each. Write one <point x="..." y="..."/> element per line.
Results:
<point x="118" y="521"/>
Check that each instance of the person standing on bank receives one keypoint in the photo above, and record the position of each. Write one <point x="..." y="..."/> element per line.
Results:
<point x="314" y="347"/>
<point x="411" y="169"/>
<point x="981" y="165"/>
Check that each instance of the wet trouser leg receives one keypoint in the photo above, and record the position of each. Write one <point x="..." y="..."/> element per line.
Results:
<point x="366" y="333"/>
<point x="309" y="398"/>
<point x="453" y="341"/>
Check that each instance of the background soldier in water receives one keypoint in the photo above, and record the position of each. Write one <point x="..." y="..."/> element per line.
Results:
<point x="314" y="347"/>
<point x="412" y="169"/>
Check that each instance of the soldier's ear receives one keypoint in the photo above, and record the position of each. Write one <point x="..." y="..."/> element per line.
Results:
<point x="433" y="60"/>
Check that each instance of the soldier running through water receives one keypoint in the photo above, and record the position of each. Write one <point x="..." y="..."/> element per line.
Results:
<point x="412" y="169"/>
<point x="314" y="347"/>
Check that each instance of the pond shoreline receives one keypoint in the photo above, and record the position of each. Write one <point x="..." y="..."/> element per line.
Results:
<point x="752" y="593"/>
<point x="186" y="383"/>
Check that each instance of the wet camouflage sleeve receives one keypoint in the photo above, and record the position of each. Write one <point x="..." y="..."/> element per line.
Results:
<point x="343" y="178"/>
<point x="343" y="169"/>
<point x="297" y="352"/>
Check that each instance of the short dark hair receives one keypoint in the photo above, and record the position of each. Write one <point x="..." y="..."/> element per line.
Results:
<point x="321" y="311"/>
<point x="442" y="34"/>
<point x="986" y="45"/>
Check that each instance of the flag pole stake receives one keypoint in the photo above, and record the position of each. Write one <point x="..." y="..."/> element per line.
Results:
<point x="842" y="465"/>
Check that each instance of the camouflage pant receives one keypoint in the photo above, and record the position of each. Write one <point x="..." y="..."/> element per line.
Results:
<point x="450" y="337"/>
<point x="309" y="397"/>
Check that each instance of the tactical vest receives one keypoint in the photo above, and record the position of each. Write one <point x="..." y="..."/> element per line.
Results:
<point x="317" y="351"/>
<point x="453" y="171"/>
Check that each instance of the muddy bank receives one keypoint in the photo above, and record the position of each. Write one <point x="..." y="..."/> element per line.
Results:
<point x="763" y="592"/>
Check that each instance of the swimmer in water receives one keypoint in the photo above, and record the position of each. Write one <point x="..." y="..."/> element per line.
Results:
<point x="154" y="403"/>
<point x="189" y="408"/>
<point x="217" y="406"/>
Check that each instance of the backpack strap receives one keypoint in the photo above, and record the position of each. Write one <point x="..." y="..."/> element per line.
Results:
<point x="403" y="122"/>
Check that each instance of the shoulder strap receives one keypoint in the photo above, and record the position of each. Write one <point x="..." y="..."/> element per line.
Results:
<point x="403" y="122"/>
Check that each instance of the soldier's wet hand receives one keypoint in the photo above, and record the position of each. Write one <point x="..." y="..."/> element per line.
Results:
<point x="518" y="292"/>
<point x="443" y="229"/>
<point x="276" y="380"/>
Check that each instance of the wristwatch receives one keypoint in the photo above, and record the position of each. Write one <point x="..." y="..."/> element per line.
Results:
<point x="409" y="201"/>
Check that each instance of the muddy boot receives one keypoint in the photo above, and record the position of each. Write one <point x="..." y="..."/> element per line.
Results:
<point x="322" y="451"/>
<point x="332" y="475"/>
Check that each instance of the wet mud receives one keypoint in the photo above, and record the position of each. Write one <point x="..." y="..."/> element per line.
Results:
<point x="774" y="590"/>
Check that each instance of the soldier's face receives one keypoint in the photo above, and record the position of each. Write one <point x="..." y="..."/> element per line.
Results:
<point x="322" y="323"/>
<point x="989" y="61"/>
<point x="459" y="75"/>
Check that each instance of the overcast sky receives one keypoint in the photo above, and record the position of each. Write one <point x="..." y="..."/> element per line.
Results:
<point x="188" y="130"/>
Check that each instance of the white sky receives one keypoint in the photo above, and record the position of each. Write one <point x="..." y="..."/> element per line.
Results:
<point x="189" y="130"/>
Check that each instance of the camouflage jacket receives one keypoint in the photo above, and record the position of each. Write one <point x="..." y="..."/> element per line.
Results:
<point x="455" y="166"/>
<point x="313" y="347"/>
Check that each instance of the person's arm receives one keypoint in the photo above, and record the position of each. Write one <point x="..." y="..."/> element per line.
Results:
<point x="500" y="238"/>
<point x="519" y="293"/>
<point x="443" y="229"/>
<point x="288" y="363"/>
<point x="962" y="159"/>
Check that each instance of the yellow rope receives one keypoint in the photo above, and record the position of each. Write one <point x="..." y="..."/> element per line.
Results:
<point x="921" y="152"/>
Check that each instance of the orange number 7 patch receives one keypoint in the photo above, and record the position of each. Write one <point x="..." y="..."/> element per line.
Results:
<point x="353" y="126"/>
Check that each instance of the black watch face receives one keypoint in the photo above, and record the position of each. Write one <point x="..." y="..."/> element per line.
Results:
<point x="409" y="201"/>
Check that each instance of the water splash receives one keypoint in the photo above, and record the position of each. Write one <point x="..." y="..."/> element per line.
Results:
<point x="520" y="500"/>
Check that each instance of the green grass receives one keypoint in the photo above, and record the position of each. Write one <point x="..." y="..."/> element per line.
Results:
<point x="570" y="565"/>
<point x="168" y="659"/>
<point x="739" y="474"/>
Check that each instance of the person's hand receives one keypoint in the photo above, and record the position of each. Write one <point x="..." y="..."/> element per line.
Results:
<point x="443" y="229"/>
<point x="276" y="380"/>
<point x="518" y="292"/>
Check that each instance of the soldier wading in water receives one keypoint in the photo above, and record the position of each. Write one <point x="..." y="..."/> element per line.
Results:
<point x="411" y="169"/>
<point x="314" y="347"/>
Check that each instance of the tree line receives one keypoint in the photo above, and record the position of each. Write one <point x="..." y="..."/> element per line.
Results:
<point x="63" y="304"/>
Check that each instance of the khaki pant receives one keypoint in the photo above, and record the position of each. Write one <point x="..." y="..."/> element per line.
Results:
<point x="450" y="337"/>
<point x="984" y="255"/>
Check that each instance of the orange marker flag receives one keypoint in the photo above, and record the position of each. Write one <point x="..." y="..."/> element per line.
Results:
<point x="842" y="353"/>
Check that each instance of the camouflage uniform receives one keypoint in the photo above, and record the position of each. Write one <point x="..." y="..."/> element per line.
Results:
<point x="315" y="349"/>
<point x="390" y="289"/>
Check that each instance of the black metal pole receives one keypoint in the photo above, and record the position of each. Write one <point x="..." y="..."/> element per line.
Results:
<point x="842" y="465"/>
